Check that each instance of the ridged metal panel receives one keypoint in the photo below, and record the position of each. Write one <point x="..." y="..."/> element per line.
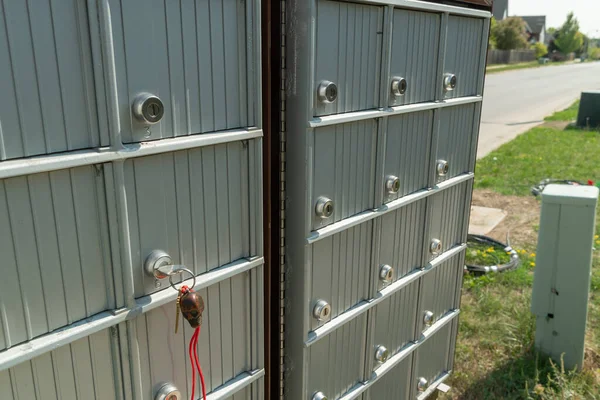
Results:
<point x="85" y="369"/>
<point x="395" y="384"/>
<point x="407" y="147"/>
<point x="256" y="391"/>
<point x="415" y="46"/>
<point x="348" y="52"/>
<point x="344" y="168"/>
<point x="192" y="204"/>
<point x="48" y="101"/>
<point x="56" y="258"/>
<point x="438" y="292"/>
<point x="395" y="319"/>
<point x="193" y="55"/>
<point x="463" y="51"/>
<point x="402" y="233"/>
<point x="455" y="137"/>
<point x="340" y="269"/>
<point x="448" y="216"/>
<point x="224" y="347"/>
<point x="433" y="357"/>
<point x="336" y="362"/>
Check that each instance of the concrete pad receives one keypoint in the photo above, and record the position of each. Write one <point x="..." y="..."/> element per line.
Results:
<point x="484" y="219"/>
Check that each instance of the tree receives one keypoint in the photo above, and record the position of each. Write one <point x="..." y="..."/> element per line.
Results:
<point x="510" y="34"/>
<point x="540" y="49"/>
<point x="569" y="38"/>
<point x="492" y="43"/>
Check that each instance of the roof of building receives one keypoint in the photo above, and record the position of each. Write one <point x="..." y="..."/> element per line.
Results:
<point x="536" y="23"/>
<point x="500" y="9"/>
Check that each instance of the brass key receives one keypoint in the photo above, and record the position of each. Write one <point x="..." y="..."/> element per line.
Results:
<point x="177" y="313"/>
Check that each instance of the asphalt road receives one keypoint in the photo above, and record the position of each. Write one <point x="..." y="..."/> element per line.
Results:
<point x="515" y="101"/>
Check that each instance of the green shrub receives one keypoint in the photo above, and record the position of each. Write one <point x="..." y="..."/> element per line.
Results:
<point x="540" y="49"/>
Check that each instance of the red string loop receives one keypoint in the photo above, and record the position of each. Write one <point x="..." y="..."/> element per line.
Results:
<point x="195" y="362"/>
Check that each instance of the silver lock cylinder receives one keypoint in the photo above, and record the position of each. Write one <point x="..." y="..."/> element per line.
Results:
<point x="399" y="86"/>
<point x="381" y="354"/>
<point x="168" y="391"/>
<point x="392" y="184"/>
<point x="319" y="396"/>
<point x="322" y="310"/>
<point x="386" y="273"/>
<point x="422" y="384"/>
<point x="428" y="318"/>
<point x="435" y="247"/>
<point x="148" y="108"/>
<point x="327" y="92"/>
<point x="450" y="82"/>
<point x="324" y="207"/>
<point x="442" y="167"/>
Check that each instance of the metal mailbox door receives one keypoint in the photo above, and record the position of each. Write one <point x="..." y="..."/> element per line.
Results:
<point x="348" y="53"/>
<point x="196" y="56"/>
<point x="414" y="53"/>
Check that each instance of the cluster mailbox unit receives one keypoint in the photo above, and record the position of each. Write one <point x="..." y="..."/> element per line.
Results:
<point x="383" y="103"/>
<point x="132" y="143"/>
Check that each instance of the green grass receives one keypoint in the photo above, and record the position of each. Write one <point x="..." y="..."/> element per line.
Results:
<point x="482" y="254"/>
<point x="492" y="69"/>
<point x="495" y="355"/>
<point x="538" y="154"/>
<point x="570" y="114"/>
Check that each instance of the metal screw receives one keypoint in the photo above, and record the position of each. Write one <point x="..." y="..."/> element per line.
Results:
<point x="442" y="167"/>
<point x="422" y="384"/>
<point x="319" y="396"/>
<point x="324" y="207"/>
<point x="428" y="318"/>
<point x="386" y="273"/>
<point x="157" y="283"/>
<point x="322" y="310"/>
<point x="392" y="184"/>
<point x="381" y="354"/>
<point x="435" y="246"/>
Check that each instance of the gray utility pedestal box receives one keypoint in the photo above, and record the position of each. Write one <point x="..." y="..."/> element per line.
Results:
<point x="561" y="284"/>
<point x="383" y="104"/>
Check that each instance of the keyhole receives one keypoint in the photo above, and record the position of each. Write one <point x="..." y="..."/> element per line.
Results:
<point x="153" y="110"/>
<point x="325" y="312"/>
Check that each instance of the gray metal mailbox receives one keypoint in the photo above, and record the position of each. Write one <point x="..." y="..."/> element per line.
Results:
<point x="382" y="109"/>
<point x="146" y="122"/>
<point x="131" y="163"/>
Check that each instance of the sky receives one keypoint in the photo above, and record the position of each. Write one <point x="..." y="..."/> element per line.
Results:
<point x="586" y="11"/>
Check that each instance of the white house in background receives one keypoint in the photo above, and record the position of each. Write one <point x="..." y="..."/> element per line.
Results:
<point x="536" y="28"/>
<point x="500" y="9"/>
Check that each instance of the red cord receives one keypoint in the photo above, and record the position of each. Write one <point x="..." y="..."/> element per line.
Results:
<point x="198" y="364"/>
<point x="192" y="362"/>
<point x="193" y="350"/>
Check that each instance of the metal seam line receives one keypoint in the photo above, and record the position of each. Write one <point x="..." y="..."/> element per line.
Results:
<point x="421" y="5"/>
<point x="367" y="215"/>
<point x="389" y="111"/>
<point x="53" y="162"/>
<point x="399" y="357"/>
<point x="365" y="305"/>
<point x="68" y="334"/>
